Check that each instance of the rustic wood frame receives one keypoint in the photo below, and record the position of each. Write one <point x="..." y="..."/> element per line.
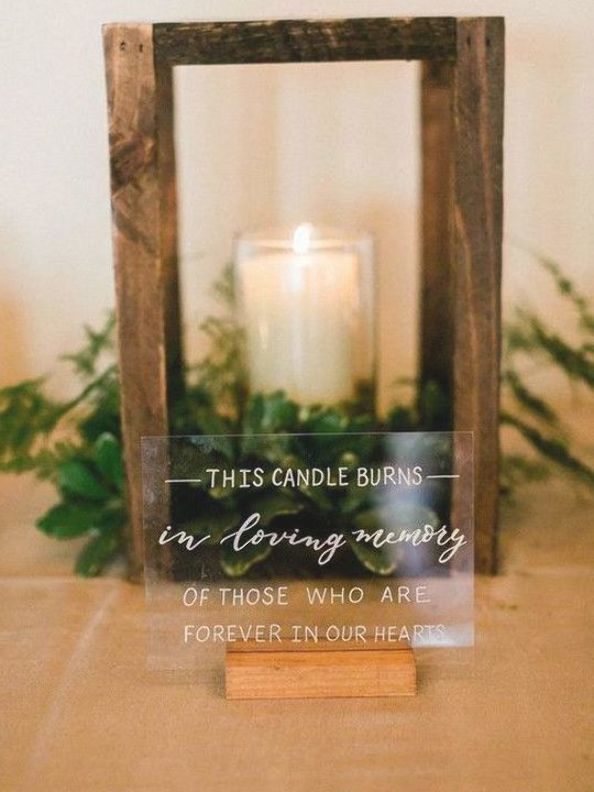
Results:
<point x="462" y="86"/>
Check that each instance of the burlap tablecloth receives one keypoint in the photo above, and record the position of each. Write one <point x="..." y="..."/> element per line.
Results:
<point x="79" y="712"/>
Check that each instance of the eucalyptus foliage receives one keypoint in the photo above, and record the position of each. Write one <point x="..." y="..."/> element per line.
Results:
<point x="76" y="444"/>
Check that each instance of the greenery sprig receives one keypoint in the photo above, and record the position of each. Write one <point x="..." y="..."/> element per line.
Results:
<point x="76" y="443"/>
<point x="527" y="339"/>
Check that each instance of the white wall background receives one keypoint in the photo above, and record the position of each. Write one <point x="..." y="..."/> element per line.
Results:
<point x="259" y="145"/>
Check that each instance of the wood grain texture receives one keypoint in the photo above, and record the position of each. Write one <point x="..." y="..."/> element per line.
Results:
<point x="322" y="645"/>
<point x="306" y="40"/>
<point x="437" y="310"/>
<point x="478" y="89"/>
<point x="144" y="242"/>
<point x="319" y="672"/>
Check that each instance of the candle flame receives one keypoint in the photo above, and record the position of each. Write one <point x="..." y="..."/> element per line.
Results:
<point x="302" y="238"/>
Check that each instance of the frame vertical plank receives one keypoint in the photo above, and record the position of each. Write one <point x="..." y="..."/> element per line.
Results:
<point x="478" y="88"/>
<point x="437" y="294"/>
<point x="140" y="108"/>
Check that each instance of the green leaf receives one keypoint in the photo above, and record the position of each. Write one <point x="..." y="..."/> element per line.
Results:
<point x="270" y="506"/>
<point x="109" y="460"/>
<point x="529" y="335"/>
<point x="222" y="445"/>
<point x="355" y="499"/>
<point x="224" y="287"/>
<point x="236" y="564"/>
<point x="324" y="420"/>
<point x="221" y="373"/>
<point x="214" y="520"/>
<point x="27" y="416"/>
<point x="67" y="520"/>
<point x="317" y="497"/>
<point x="78" y="478"/>
<point x="396" y="517"/>
<point x="270" y="413"/>
<point x="553" y="448"/>
<point x="527" y="399"/>
<point x="567" y="289"/>
<point x="97" y="553"/>
<point x="434" y="407"/>
<point x="273" y="504"/>
<point x="97" y="342"/>
<point x="380" y="561"/>
<point x="517" y="469"/>
<point x="102" y="407"/>
<point x="401" y="419"/>
<point x="574" y="362"/>
<point x="113" y="517"/>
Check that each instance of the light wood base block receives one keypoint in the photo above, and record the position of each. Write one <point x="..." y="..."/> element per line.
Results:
<point x="288" y="671"/>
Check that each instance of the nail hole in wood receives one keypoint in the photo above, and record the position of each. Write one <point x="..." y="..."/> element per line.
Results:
<point x="141" y="48"/>
<point x="488" y="41"/>
<point x="468" y="40"/>
<point x="122" y="46"/>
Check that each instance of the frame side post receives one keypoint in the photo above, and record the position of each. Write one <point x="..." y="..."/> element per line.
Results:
<point x="436" y="291"/>
<point x="477" y="178"/>
<point x="140" y="109"/>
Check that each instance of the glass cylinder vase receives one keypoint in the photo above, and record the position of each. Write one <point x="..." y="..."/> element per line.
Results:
<point x="306" y="303"/>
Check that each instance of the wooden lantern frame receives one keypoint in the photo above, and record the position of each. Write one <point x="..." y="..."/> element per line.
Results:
<point x="462" y="88"/>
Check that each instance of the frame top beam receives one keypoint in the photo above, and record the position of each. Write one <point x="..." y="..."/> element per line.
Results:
<point x="305" y="40"/>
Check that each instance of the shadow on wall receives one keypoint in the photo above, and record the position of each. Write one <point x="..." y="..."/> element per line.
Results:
<point x="22" y="498"/>
<point x="14" y="363"/>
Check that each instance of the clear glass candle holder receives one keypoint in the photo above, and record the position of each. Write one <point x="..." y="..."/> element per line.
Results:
<point x="306" y="303"/>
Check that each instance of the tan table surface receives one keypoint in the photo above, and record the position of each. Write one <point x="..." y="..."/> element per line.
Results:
<point x="79" y="712"/>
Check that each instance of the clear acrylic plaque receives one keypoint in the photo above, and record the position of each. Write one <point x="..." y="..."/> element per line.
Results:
<point x="335" y="538"/>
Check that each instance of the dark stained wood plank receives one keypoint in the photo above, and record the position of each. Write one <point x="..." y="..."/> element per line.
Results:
<point x="306" y="40"/>
<point x="477" y="236"/>
<point x="437" y="293"/>
<point x="144" y="242"/>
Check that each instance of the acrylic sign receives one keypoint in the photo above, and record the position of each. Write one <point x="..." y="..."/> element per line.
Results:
<point x="340" y="538"/>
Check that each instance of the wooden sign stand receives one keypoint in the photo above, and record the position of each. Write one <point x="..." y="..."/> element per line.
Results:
<point x="462" y="80"/>
<point x="319" y="670"/>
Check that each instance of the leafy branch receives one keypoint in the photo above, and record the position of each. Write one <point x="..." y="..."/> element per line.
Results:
<point x="75" y="443"/>
<point x="527" y="338"/>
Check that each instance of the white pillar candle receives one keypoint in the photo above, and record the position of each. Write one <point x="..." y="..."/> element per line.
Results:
<point x="299" y="305"/>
